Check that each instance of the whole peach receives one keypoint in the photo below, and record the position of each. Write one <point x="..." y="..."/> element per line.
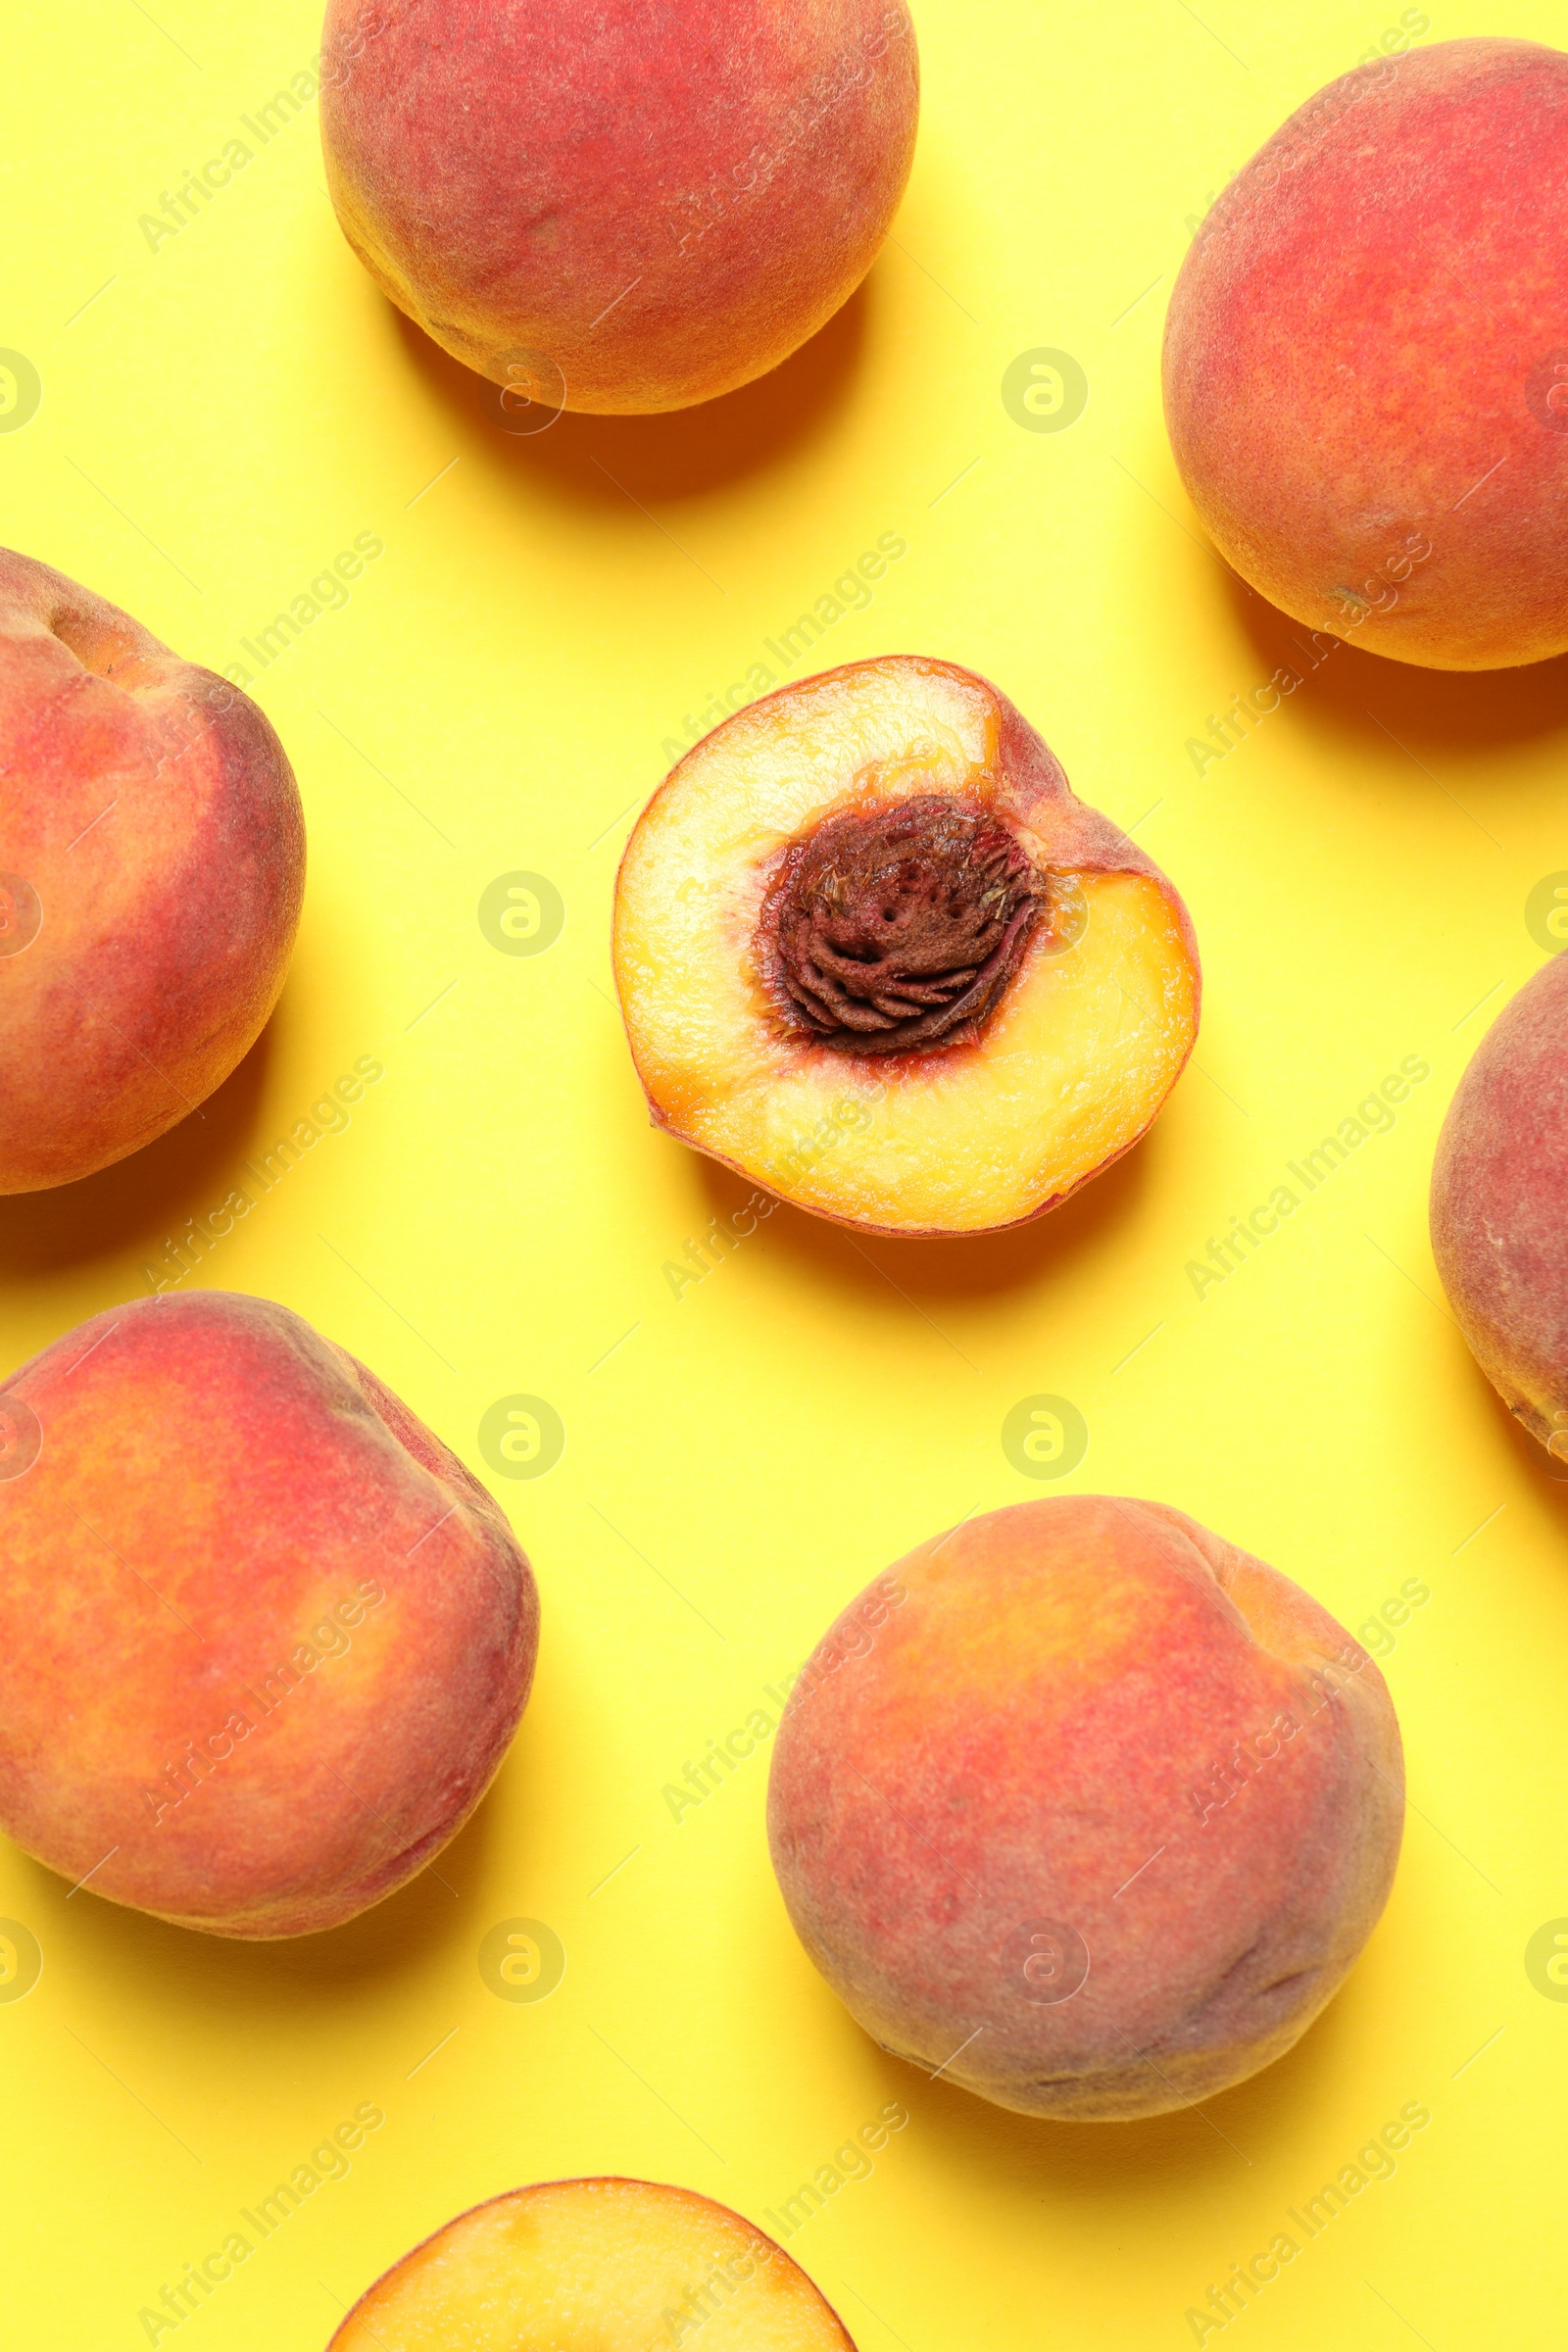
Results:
<point x="1499" y="1205"/>
<point x="1085" y="1809"/>
<point x="1366" y="359"/>
<point x="262" y="1639"/>
<point x="622" y="208"/>
<point x="154" y="847"/>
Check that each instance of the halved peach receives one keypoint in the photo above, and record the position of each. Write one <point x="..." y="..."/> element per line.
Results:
<point x="593" y="2265"/>
<point x="874" y="954"/>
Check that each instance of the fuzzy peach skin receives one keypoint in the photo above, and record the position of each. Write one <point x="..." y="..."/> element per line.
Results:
<point x="593" y="2265"/>
<point x="622" y="208"/>
<point x="1366" y="359"/>
<point x="1085" y="1808"/>
<point x="1499" y="1205"/>
<point x="153" y="855"/>
<point x="262" y="1639"/>
<point x="1068" y="1071"/>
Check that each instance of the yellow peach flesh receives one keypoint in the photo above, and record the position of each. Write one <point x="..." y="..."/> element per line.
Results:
<point x="1074" y="1063"/>
<point x="593" y="2266"/>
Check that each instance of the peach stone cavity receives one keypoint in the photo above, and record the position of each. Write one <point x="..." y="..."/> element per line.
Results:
<point x="875" y="956"/>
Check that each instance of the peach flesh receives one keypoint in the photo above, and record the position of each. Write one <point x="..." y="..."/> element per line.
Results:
<point x="154" y="849"/>
<point x="1085" y="1808"/>
<point x="625" y="208"/>
<point x="1499" y="1205"/>
<point x="264" y="1640"/>
<point x="593" y="2265"/>
<point x="1004" y="1117"/>
<point x="1366" y="360"/>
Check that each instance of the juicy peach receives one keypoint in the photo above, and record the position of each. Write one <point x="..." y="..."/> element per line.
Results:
<point x="593" y="2265"/>
<point x="617" y="209"/>
<point x="154" y="847"/>
<point x="1499" y="1205"/>
<point x="262" y="1639"/>
<point x="874" y="954"/>
<point x="1086" y="1809"/>
<point x="1366" y="359"/>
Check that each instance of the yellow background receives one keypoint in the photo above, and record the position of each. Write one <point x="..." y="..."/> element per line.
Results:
<point x="221" y="418"/>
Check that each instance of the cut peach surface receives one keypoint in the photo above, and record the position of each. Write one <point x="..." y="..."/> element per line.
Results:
<point x="593" y="2265"/>
<point x="874" y="954"/>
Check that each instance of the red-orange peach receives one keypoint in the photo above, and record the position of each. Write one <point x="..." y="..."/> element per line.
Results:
<point x="593" y="2265"/>
<point x="1085" y="1809"/>
<point x="1499" y="1205"/>
<point x="875" y="954"/>
<point x="1366" y="359"/>
<point x="262" y="1639"/>
<point x="621" y="208"/>
<point x="154" y="856"/>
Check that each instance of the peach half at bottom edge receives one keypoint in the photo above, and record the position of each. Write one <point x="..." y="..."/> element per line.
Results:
<point x="593" y="2265"/>
<point x="875" y="956"/>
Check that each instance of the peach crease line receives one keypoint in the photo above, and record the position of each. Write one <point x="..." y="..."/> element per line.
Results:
<point x="1192" y="2105"/>
<point x="387" y="1825"/>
